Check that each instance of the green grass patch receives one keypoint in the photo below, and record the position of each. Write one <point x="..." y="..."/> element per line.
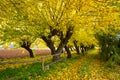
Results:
<point x="22" y="72"/>
<point x="32" y="71"/>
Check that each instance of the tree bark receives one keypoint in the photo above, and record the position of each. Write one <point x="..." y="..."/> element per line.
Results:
<point x="82" y="49"/>
<point x="59" y="51"/>
<point x="76" y="47"/>
<point x="26" y="45"/>
<point x="30" y="52"/>
<point x="50" y="44"/>
<point x="68" y="51"/>
<point x="64" y="40"/>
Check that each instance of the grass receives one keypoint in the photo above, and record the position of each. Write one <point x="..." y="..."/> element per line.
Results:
<point x="87" y="67"/>
<point x="22" y="72"/>
<point x="30" y="71"/>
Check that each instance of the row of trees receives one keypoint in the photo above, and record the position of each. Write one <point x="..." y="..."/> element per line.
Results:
<point x="109" y="44"/>
<point x="58" y="22"/>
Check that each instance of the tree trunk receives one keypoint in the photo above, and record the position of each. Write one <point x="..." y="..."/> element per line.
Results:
<point x="58" y="51"/>
<point x="26" y="45"/>
<point x="30" y="52"/>
<point x="50" y="44"/>
<point x="56" y="57"/>
<point x="82" y="50"/>
<point x="63" y="42"/>
<point x="76" y="47"/>
<point x="68" y="52"/>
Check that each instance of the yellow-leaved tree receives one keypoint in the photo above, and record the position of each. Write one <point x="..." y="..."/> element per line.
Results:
<point x="107" y="26"/>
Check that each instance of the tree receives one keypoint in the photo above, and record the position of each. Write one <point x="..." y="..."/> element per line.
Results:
<point x="68" y="51"/>
<point x="107" y="28"/>
<point x="17" y="22"/>
<point x="59" y="19"/>
<point x="83" y="39"/>
<point x="59" y="24"/>
<point x="62" y="18"/>
<point x="24" y="15"/>
<point x="22" y="37"/>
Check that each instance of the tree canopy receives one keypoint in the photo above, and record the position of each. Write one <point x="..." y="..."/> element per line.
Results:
<point x="59" y="21"/>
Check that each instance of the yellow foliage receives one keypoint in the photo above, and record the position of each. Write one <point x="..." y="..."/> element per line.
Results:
<point x="96" y="70"/>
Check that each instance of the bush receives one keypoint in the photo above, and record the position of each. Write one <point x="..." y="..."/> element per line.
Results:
<point x="109" y="48"/>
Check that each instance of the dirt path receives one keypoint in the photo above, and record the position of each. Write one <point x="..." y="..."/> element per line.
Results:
<point x="87" y="68"/>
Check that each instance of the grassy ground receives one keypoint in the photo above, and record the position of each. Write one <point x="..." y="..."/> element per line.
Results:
<point x="87" y="67"/>
<point x="28" y="71"/>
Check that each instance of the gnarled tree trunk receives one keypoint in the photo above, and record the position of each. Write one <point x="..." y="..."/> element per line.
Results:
<point x="68" y="51"/>
<point x="26" y="45"/>
<point x="30" y="52"/>
<point x="64" y="40"/>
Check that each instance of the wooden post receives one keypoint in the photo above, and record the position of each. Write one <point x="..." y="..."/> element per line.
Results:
<point x="43" y="63"/>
